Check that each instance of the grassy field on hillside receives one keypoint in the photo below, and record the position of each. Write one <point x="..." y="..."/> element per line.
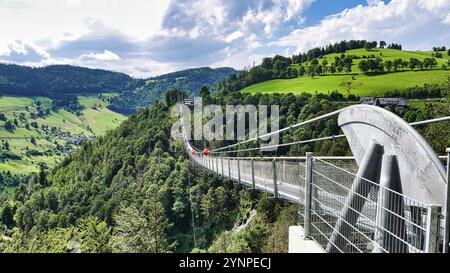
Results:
<point x="56" y="134"/>
<point x="361" y="84"/>
<point x="385" y="54"/>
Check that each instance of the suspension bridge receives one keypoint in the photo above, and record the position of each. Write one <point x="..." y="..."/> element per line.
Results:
<point x="391" y="196"/>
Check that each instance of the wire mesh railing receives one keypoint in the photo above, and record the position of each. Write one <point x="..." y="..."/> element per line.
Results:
<point x="377" y="219"/>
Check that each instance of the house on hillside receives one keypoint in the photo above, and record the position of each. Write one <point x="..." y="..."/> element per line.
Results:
<point x="189" y="102"/>
<point x="384" y="102"/>
<point x="394" y="104"/>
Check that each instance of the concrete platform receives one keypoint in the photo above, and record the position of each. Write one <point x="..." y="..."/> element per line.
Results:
<point x="298" y="243"/>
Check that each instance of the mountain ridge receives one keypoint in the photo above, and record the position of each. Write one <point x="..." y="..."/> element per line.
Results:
<point x="147" y="91"/>
<point x="57" y="81"/>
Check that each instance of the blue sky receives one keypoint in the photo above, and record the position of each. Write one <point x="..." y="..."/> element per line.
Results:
<point x="322" y="8"/>
<point x="149" y="37"/>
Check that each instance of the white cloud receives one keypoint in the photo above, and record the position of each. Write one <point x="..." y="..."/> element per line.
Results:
<point x="105" y="56"/>
<point x="270" y="18"/>
<point x="446" y="20"/>
<point x="21" y="51"/>
<point x="233" y="36"/>
<point x="374" y="2"/>
<point x="55" y="20"/>
<point x="73" y="2"/>
<point x="436" y="6"/>
<point x="240" y="28"/>
<point x="418" y="24"/>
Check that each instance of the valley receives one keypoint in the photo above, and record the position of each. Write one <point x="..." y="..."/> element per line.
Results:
<point x="48" y="113"/>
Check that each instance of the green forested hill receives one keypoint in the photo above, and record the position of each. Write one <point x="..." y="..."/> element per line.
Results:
<point x="127" y="191"/>
<point x="147" y="91"/>
<point x="58" y="80"/>
<point x="131" y="167"/>
<point x="351" y="68"/>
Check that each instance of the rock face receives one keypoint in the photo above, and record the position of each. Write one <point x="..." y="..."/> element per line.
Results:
<point x="246" y="222"/>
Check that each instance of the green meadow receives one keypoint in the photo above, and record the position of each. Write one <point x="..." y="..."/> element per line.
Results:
<point x="360" y="84"/>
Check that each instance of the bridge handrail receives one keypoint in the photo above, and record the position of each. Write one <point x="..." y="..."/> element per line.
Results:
<point x="443" y="157"/>
<point x="334" y="113"/>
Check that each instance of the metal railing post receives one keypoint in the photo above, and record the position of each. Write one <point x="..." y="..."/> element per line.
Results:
<point x="369" y="170"/>
<point x="239" y="171"/>
<point x="229" y="169"/>
<point x="275" y="186"/>
<point x="221" y="162"/>
<point x="217" y="167"/>
<point x="253" y="175"/>
<point x="432" y="231"/>
<point x="308" y="185"/>
<point x="447" y="206"/>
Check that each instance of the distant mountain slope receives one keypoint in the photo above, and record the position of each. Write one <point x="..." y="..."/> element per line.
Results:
<point x="61" y="80"/>
<point x="39" y="133"/>
<point x="146" y="91"/>
<point x="57" y="80"/>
